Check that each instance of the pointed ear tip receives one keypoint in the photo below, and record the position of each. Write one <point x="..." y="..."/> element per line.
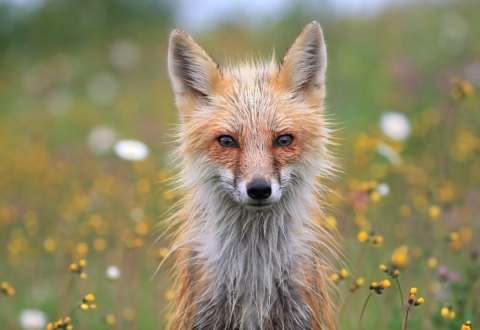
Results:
<point x="314" y="26"/>
<point x="178" y="35"/>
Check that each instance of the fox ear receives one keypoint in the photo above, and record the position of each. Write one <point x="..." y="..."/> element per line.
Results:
<point x="189" y="66"/>
<point x="303" y="67"/>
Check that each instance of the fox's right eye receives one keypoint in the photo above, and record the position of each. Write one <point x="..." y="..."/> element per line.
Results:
<point x="227" y="141"/>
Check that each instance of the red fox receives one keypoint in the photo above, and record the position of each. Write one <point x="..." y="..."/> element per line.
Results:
<point x="253" y="141"/>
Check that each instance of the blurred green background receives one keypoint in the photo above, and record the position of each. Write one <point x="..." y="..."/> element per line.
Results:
<point x="77" y="77"/>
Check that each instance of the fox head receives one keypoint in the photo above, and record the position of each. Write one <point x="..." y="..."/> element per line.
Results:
<point x="255" y="133"/>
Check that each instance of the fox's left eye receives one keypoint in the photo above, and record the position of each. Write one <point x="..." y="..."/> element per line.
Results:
<point x="284" y="140"/>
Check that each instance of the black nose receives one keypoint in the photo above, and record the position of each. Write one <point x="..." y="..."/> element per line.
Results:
<point x="259" y="189"/>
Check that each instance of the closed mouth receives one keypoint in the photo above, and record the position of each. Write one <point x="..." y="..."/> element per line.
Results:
<point x="258" y="206"/>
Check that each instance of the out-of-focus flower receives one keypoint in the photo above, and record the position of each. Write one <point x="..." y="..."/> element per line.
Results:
<point x="376" y="240"/>
<point x="103" y="88"/>
<point x="419" y="301"/>
<point x="375" y="196"/>
<point x="49" y="245"/>
<point x="60" y="324"/>
<point x="394" y="273"/>
<point x="412" y="296"/>
<point x="86" y="305"/>
<point x="467" y="325"/>
<point x="379" y="287"/>
<point x="110" y="319"/>
<point x="474" y="254"/>
<point x="129" y="314"/>
<point x="443" y="273"/>
<point x="448" y="312"/>
<point x="383" y="189"/>
<point x="455" y="277"/>
<point x="357" y="284"/>
<point x="101" y="139"/>
<point x="7" y="289"/>
<point x="395" y="125"/>
<point x="79" y="268"/>
<point x="124" y="54"/>
<point x="400" y="256"/>
<point x="388" y="152"/>
<point x="170" y="294"/>
<point x="362" y="236"/>
<point x="31" y="319"/>
<point x="137" y="214"/>
<point x="113" y="273"/>
<point x="132" y="150"/>
<point x="331" y="222"/>
<point x="59" y="101"/>
<point x="337" y="277"/>
<point x="461" y="89"/>
<point x="444" y="312"/>
<point x="434" y="212"/>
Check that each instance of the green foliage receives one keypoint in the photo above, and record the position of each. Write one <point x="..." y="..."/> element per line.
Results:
<point x="63" y="72"/>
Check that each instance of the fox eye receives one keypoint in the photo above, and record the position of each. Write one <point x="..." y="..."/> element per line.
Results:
<point x="227" y="141"/>
<point x="284" y="140"/>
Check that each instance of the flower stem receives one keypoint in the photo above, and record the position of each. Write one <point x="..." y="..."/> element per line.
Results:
<point x="360" y="257"/>
<point x="363" y="310"/>
<point x="405" y="322"/>
<point x="401" y="297"/>
<point x="345" y="306"/>
<point x="66" y="295"/>
<point x="73" y="310"/>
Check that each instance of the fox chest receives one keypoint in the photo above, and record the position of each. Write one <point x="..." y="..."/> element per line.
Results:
<point x="253" y="287"/>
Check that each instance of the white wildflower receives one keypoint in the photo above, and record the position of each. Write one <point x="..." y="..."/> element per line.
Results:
<point x="131" y="150"/>
<point x="389" y="153"/>
<point x="137" y="214"/>
<point x="395" y="125"/>
<point x="101" y="139"/>
<point x="113" y="273"/>
<point x="31" y="319"/>
<point x="383" y="189"/>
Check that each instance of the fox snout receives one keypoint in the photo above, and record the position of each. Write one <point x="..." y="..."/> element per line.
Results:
<point x="259" y="188"/>
<point x="259" y="192"/>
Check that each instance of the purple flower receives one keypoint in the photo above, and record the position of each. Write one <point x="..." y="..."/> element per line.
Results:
<point x="474" y="254"/>
<point x="454" y="277"/>
<point x="443" y="273"/>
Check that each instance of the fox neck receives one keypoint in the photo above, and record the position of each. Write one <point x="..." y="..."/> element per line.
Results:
<point x="249" y="256"/>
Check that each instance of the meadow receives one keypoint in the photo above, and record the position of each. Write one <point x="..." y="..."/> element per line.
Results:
<point x="86" y="114"/>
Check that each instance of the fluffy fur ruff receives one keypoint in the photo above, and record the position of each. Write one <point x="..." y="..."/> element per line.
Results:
<point x="239" y="268"/>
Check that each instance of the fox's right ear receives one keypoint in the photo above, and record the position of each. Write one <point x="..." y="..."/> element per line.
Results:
<point x="190" y="67"/>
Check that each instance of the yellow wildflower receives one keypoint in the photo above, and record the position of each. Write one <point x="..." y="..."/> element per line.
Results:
<point x="362" y="236"/>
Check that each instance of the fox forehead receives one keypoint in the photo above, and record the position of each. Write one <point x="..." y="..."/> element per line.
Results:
<point x="250" y="100"/>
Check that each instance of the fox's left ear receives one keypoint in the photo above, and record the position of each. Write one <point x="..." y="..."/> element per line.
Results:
<point x="303" y="68"/>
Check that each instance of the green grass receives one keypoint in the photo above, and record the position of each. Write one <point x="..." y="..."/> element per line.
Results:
<point x="51" y="183"/>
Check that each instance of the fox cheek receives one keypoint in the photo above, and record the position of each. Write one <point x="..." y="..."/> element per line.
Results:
<point x="225" y="158"/>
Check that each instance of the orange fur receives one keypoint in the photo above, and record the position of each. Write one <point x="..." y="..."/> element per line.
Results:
<point x="254" y="105"/>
